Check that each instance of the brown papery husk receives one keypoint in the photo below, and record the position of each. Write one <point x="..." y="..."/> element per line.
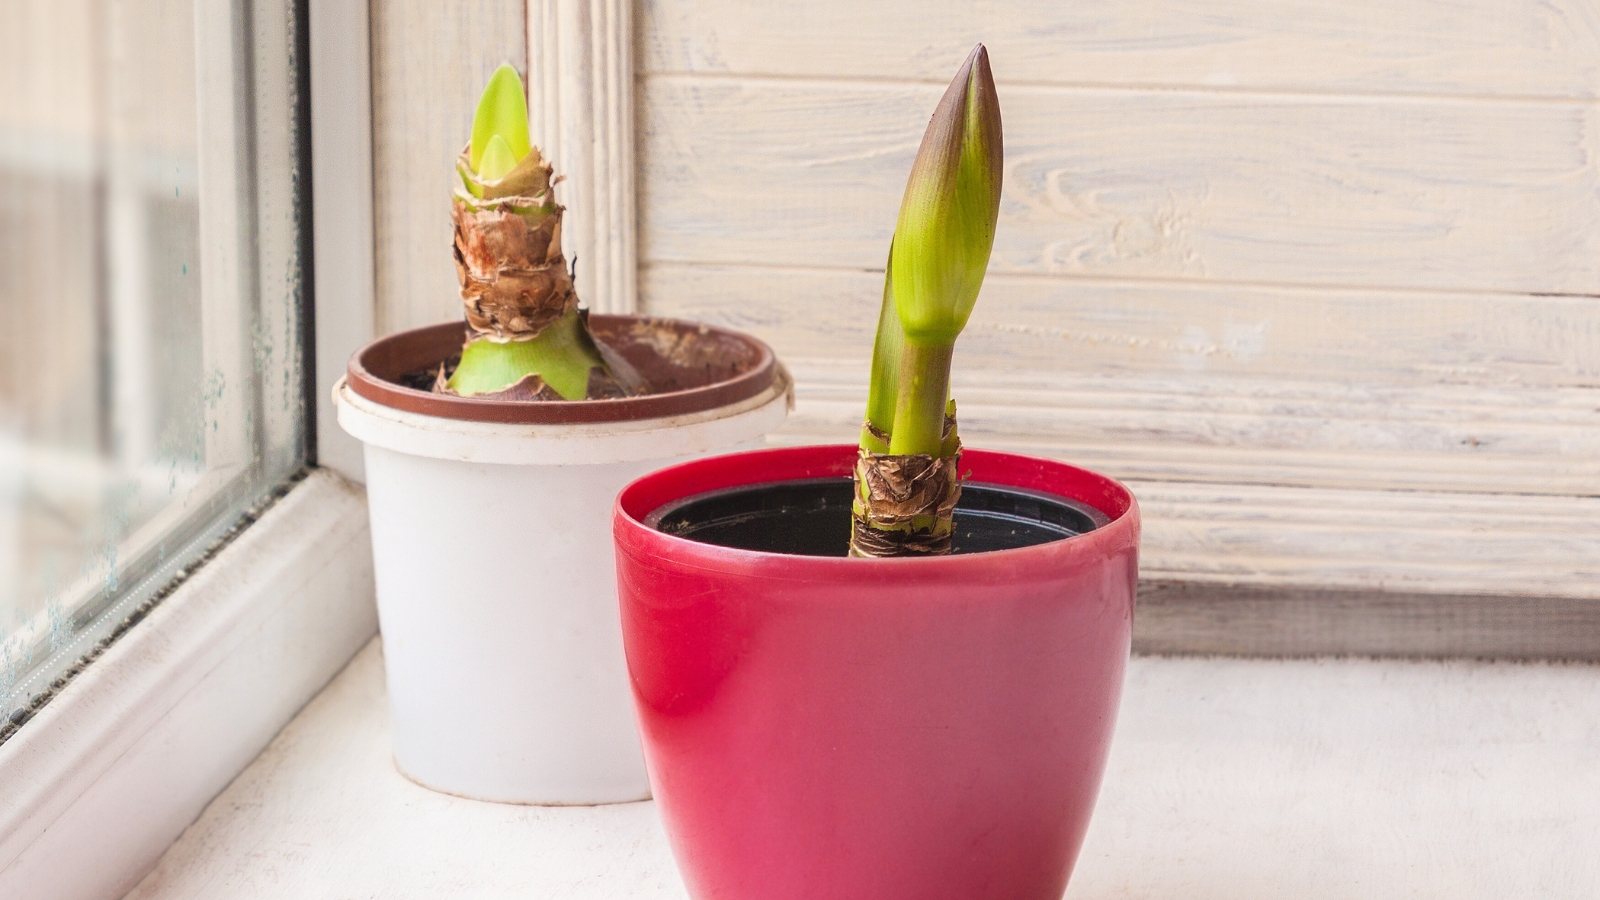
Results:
<point x="905" y="504"/>
<point x="514" y="278"/>
<point x="531" y="387"/>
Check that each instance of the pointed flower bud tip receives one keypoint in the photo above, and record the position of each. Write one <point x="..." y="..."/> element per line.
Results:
<point x="502" y="111"/>
<point x="498" y="160"/>
<point x="952" y="202"/>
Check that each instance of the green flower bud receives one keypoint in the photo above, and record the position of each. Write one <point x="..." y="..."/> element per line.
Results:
<point x="502" y="111"/>
<point x="952" y="202"/>
<point x="498" y="160"/>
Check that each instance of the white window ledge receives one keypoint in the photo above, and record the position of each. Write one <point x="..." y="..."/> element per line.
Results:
<point x="97" y="785"/>
<point x="1229" y="778"/>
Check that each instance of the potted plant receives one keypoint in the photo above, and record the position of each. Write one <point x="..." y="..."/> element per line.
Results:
<point x="888" y="670"/>
<point x="494" y="448"/>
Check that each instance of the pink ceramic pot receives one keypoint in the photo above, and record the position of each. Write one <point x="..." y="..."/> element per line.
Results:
<point x="907" y="729"/>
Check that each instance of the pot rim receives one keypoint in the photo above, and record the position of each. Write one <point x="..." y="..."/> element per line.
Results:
<point x="645" y="494"/>
<point x="750" y="382"/>
<point x="578" y="443"/>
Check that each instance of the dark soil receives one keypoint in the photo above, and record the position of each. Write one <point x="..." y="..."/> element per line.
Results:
<point x="811" y="517"/>
<point x="425" y="379"/>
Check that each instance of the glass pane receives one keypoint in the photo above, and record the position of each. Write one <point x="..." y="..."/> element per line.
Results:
<point x="150" y="376"/>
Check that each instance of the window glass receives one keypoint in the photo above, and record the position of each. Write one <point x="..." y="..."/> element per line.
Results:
<point x="151" y="388"/>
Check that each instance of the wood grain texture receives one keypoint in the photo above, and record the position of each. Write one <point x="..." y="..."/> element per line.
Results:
<point x="1303" y="512"/>
<point x="1473" y="47"/>
<point x="1465" y="465"/>
<point x="1052" y="326"/>
<point x="1407" y="542"/>
<point x="580" y="108"/>
<point x="1249" y="620"/>
<point x="1467" y="393"/>
<point x="1298" y="514"/>
<point x="1321" y="281"/>
<point x="1412" y="193"/>
<point x="1242" y="432"/>
<point x="429" y="63"/>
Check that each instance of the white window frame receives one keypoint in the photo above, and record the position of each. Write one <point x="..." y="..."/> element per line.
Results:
<point x="108" y="773"/>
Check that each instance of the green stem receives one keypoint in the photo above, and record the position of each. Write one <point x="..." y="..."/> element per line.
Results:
<point x="924" y="390"/>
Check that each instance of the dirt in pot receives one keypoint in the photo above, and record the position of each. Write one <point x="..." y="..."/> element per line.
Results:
<point x="811" y="517"/>
<point x="428" y="379"/>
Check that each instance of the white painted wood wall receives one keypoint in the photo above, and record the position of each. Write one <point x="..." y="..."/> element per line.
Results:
<point x="1322" y="281"/>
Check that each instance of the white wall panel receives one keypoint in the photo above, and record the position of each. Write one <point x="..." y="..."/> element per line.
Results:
<point x="1321" y="280"/>
<point x="1473" y="393"/>
<point x="1122" y="328"/>
<point x="1471" y="47"/>
<point x="1426" y="194"/>
<point x="429" y="63"/>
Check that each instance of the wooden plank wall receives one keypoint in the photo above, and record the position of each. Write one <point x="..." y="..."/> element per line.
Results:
<point x="429" y="62"/>
<point x="1321" y="280"/>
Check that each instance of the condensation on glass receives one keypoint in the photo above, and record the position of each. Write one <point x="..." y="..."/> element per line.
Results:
<point x="150" y="306"/>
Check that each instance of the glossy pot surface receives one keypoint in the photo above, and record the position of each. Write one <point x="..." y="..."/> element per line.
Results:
<point x="910" y="729"/>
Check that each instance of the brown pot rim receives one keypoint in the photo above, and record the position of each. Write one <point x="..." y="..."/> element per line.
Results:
<point x="749" y="383"/>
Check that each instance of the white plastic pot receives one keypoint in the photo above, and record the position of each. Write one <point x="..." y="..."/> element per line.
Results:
<point x="496" y="589"/>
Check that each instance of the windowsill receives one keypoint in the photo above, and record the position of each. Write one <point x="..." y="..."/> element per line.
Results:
<point x="130" y="751"/>
<point x="1228" y="778"/>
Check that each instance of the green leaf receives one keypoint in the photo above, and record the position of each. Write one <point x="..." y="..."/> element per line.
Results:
<point x="951" y="206"/>
<point x="884" y="389"/>
<point x="498" y="160"/>
<point x="503" y="112"/>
